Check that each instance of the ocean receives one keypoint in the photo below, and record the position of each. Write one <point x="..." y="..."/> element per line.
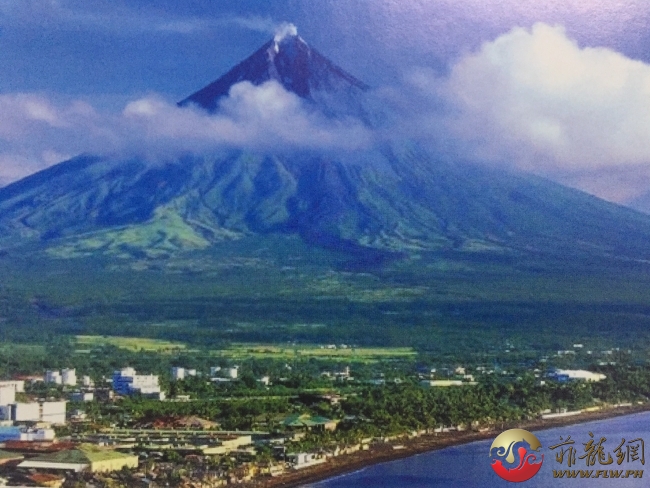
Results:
<point x="468" y="466"/>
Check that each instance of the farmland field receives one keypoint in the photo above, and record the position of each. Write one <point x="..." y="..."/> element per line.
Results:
<point x="348" y="354"/>
<point x="130" y="343"/>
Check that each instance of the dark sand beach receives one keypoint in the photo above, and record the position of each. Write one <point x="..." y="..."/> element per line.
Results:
<point x="384" y="452"/>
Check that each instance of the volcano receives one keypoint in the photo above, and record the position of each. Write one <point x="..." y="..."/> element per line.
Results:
<point x="290" y="61"/>
<point x="394" y="199"/>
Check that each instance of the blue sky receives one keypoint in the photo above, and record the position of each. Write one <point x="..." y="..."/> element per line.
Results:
<point x="546" y="66"/>
<point x="90" y="47"/>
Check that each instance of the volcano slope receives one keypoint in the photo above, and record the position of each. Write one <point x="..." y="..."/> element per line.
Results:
<point x="388" y="244"/>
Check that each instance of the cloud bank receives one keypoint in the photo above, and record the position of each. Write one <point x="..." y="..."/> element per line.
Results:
<point x="581" y="108"/>
<point x="534" y="100"/>
<point x="36" y="132"/>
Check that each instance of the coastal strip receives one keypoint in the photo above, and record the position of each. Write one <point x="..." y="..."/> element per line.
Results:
<point x="399" y="449"/>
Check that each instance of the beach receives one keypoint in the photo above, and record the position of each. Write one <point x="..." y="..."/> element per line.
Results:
<point x="384" y="452"/>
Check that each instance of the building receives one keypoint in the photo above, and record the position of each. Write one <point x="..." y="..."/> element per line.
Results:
<point x="10" y="458"/>
<point x="69" y="377"/>
<point x="309" y="422"/>
<point x="51" y="412"/>
<point x="233" y="372"/>
<point x="104" y="394"/>
<point x="7" y="395"/>
<point x="564" y="375"/>
<point x="18" y="385"/>
<point x="26" y="434"/>
<point x="178" y="374"/>
<point x="127" y="382"/>
<point x="53" y="377"/>
<point x="182" y="373"/>
<point x="445" y="383"/>
<point x="305" y="460"/>
<point x="82" y="396"/>
<point x="344" y="375"/>
<point x="24" y="412"/>
<point x="214" y="370"/>
<point x="84" y="458"/>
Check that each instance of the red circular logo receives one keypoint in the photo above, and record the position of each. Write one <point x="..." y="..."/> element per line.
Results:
<point x="514" y="455"/>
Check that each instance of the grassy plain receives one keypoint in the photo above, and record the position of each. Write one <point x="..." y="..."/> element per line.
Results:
<point x="288" y="352"/>
<point x="279" y="291"/>
<point x="131" y="343"/>
<point x="246" y="351"/>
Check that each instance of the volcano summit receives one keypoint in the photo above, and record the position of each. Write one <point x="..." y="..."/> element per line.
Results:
<point x="290" y="61"/>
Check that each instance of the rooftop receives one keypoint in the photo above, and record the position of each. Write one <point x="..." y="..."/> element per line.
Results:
<point x="83" y="454"/>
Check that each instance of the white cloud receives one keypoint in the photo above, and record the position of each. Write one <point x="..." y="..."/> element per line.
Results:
<point x="36" y="132"/>
<point x="535" y="100"/>
<point x="260" y="117"/>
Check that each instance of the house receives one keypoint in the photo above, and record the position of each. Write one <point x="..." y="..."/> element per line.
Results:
<point x="446" y="383"/>
<point x="10" y="458"/>
<point x="309" y="422"/>
<point x="332" y="398"/>
<point x="305" y="460"/>
<point x="45" y="479"/>
<point x="82" y="396"/>
<point x="84" y="458"/>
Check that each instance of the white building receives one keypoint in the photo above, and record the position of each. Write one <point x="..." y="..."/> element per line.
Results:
<point x="18" y="385"/>
<point x="26" y="434"/>
<point x="82" y="396"/>
<point x="7" y="395"/>
<point x="52" y="412"/>
<point x="578" y="374"/>
<point x="306" y="459"/>
<point x="178" y="374"/>
<point x="25" y="412"/>
<point x="127" y="382"/>
<point x="214" y="370"/>
<point x="69" y="377"/>
<point x="53" y="377"/>
<point x="446" y="383"/>
<point x="87" y="382"/>
<point x="233" y="372"/>
<point x="37" y="435"/>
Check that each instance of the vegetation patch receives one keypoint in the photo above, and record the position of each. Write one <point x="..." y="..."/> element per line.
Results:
<point x="130" y="343"/>
<point x="331" y="352"/>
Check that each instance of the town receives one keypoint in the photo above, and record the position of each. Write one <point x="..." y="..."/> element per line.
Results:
<point x="258" y="420"/>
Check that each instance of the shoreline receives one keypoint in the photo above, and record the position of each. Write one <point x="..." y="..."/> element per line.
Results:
<point x="382" y="453"/>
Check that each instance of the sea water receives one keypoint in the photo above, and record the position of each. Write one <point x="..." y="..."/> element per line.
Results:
<point x="468" y="466"/>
